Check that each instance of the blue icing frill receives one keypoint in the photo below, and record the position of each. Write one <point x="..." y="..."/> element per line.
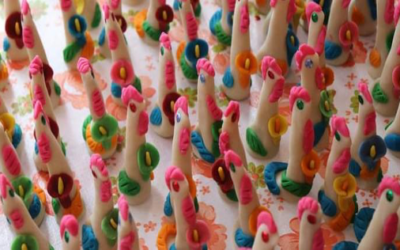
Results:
<point x="328" y="206"/>
<point x="156" y="117"/>
<point x="354" y="168"/>
<point x="198" y="142"/>
<point x="190" y="51"/>
<point x="242" y="239"/>
<point x="173" y="247"/>
<point x="35" y="207"/>
<point x="168" y="210"/>
<point x="361" y="222"/>
<point x="227" y="79"/>
<point x="364" y="151"/>
<point x="332" y="50"/>
<point x="89" y="241"/>
<point x="102" y="36"/>
<point x="17" y="137"/>
<point x="346" y="245"/>
<point x="319" y="130"/>
<point x="6" y="44"/>
<point x="270" y="172"/>
<point x="116" y="90"/>
<point x="291" y="48"/>
<point x="216" y="17"/>
<point x="392" y="142"/>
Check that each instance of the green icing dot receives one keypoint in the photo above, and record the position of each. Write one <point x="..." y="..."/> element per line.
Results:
<point x="30" y="242"/>
<point x="162" y="50"/>
<point x="255" y="143"/>
<point x="300" y="104"/>
<point x="51" y="247"/>
<point x="126" y="185"/>
<point x="360" y="100"/>
<point x="337" y="136"/>
<point x="378" y="94"/>
<point x="97" y="16"/>
<point x="138" y="84"/>
<point x="109" y="226"/>
<point x="144" y="168"/>
<point x="314" y="17"/>
<point x="196" y="204"/>
<point x="297" y="189"/>
<point x="56" y="205"/>
<point x="216" y="131"/>
<point x="66" y="236"/>
<point x="57" y="88"/>
<point x="232" y="167"/>
<point x="231" y="194"/>
<point x="389" y="195"/>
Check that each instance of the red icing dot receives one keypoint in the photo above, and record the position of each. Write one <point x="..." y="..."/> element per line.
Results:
<point x="175" y="186"/>
<point x="311" y="219"/>
<point x="265" y="236"/>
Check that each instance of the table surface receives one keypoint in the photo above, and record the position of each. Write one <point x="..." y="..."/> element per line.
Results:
<point x="219" y="215"/>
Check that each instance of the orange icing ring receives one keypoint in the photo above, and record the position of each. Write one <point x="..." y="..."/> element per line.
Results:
<point x="88" y="49"/>
<point x="76" y="207"/>
<point x="17" y="65"/>
<point x="329" y="76"/>
<point x="375" y="58"/>
<point x="40" y="193"/>
<point x="97" y="147"/>
<point x="283" y="65"/>
<point x="308" y="170"/>
<point x="343" y="219"/>
<point x="357" y="16"/>
<point x="167" y="231"/>
<point x="253" y="219"/>
<point x="138" y="21"/>
<point x="180" y="50"/>
<point x="246" y="64"/>
<point x="192" y="186"/>
<point x="4" y="72"/>
<point x="366" y="174"/>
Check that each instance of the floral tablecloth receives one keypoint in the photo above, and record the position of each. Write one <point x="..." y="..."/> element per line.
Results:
<point x="218" y="214"/>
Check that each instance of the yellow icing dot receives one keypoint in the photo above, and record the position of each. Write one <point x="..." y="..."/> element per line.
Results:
<point x="164" y="14"/>
<point x="312" y="164"/>
<point x="77" y="25"/>
<point x="172" y="105"/>
<point x="148" y="158"/>
<point x="348" y="35"/>
<point x="60" y="186"/>
<point x="103" y="131"/>
<point x="21" y="191"/>
<point x="24" y="246"/>
<point x="326" y="105"/>
<point x="221" y="173"/>
<point x="195" y="235"/>
<point x="122" y="73"/>
<point x="113" y="224"/>
<point x="17" y="28"/>
<point x="247" y="63"/>
<point x="197" y="51"/>
<point x="292" y="39"/>
<point x="372" y="151"/>
<point x="277" y="125"/>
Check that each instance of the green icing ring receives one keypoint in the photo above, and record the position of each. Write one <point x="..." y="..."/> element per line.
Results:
<point x="297" y="189"/>
<point x="110" y="124"/>
<point x="221" y="35"/>
<point x="27" y="185"/>
<point x="254" y="142"/>
<point x="71" y="51"/>
<point x="189" y="72"/>
<point x="28" y="240"/>
<point x="97" y="16"/>
<point x="109" y="231"/>
<point x="56" y="205"/>
<point x="197" y="11"/>
<point x="126" y="185"/>
<point x="327" y="114"/>
<point x="57" y="88"/>
<point x="389" y="40"/>
<point x="144" y="169"/>
<point x="86" y="122"/>
<point x="152" y="32"/>
<point x="378" y="94"/>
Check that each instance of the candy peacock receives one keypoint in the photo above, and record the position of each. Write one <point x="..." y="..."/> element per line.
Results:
<point x="101" y="230"/>
<point x="12" y="129"/>
<point x="162" y="116"/>
<point x="310" y="217"/>
<point x="237" y="77"/>
<point x="341" y="34"/>
<point x="263" y="136"/>
<point x="294" y="179"/>
<point x="392" y="135"/>
<point x="376" y="229"/>
<point x="100" y="130"/>
<point x="221" y="22"/>
<point x="368" y="148"/>
<point x="267" y="235"/>
<point x="70" y="233"/>
<point x="90" y="10"/>
<point x="128" y="236"/>
<point x="140" y="158"/>
<point x="196" y="6"/>
<point x="28" y="234"/>
<point x="364" y="14"/>
<point x="78" y="39"/>
<point x="281" y="42"/>
<point x="61" y="185"/>
<point x="205" y="136"/>
<point x="337" y="196"/>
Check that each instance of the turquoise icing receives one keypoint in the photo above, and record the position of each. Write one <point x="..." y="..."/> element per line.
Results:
<point x="35" y="206"/>
<point x="6" y="44"/>
<point x="214" y="20"/>
<point x="102" y="36"/>
<point x="116" y="90"/>
<point x="393" y="142"/>
<point x="168" y="210"/>
<point x="156" y="117"/>
<point x="354" y="168"/>
<point x="328" y="206"/>
<point x="242" y="239"/>
<point x="345" y="245"/>
<point x="198" y="142"/>
<point x="270" y="172"/>
<point x="291" y="48"/>
<point x="176" y="5"/>
<point x="173" y="247"/>
<point x="372" y="8"/>
<point x="16" y="139"/>
<point x="361" y="222"/>
<point x="332" y="50"/>
<point x="190" y="48"/>
<point x="36" y="148"/>
<point x="364" y="151"/>
<point x="89" y="241"/>
<point x="227" y="79"/>
<point x="319" y="130"/>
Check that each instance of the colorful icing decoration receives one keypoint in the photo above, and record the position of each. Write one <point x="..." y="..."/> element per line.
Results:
<point x="122" y="72"/>
<point x="193" y="48"/>
<point x="3" y="74"/>
<point x="264" y="143"/>
<point x="35" y="48"/>
<point x="196" y="6"/>
<point x="90" y="10"/>
<point x="294" y="179"/>
<point x="162" y="116"/>
<point x="205" y="136"/>
<point x="78" y="39"/>
<point x="13" y="44"/>
<point x="61" y="185"/>
<point x="100" y="130"/>
<point x="221" y="22"/>
<point x="40" y="94"/>
<point x="367" y="148"/>
<point x="190" y="233"/>
<point x="70" y="233"/>
<point x="341" y="34"/>
<point x="326" y="8"/>
<point x="310" y="216"/>
<point x="103" y="226"/>
<point x="128" y="236"/>
<point x="383" y="41"/>
<point x="28" y="234"/>
<point x="12" y="129"/>
<point x="364" y="14"/>
<point x="337" y="197"/>
<point x="386" y="89"/>
<point x="377" y="228"/>
<point x="281" y="42"/>
<point x="392" y="135"/>
<point x="237" y="78"/>
<point x="267" y="235"/>
<point x="116" y="8"/>
<point x="152" y="22"/>
<point x="11" y="167"/>
<point x="141" y="158"/>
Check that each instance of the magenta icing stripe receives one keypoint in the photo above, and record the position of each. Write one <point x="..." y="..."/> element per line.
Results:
<point x="123" y="207"/>
<point x="66" y="4"/>
<point x="277" y="90"/>
<point x="231" y="5"/>
<point x="113" y="40"/>
<point x="115" y="3"/>
<point x="320" y="46"/>
<point x="165" y="41"/>
<point x="192" y="26"/>
<point x="244" y="18"/>
<point x="188" y="210"/>
<point x="345" y="4"/>
<point x="342" y="162"/>
<point x="4" y="182"/>
<point x="307" y="203"/>
<point x="390" y="228"/>
<point x="318" y="240"/>
<point x="213" y="108"/>
<point x="127" y="241"/>
<point x="308" y="137"/>
<point x="143" y="124"/>
<point x="36" y="66"/>
<point x="44" y="148"/>
<point x="84" y="65"/>
<point x="245" y="190"/>
<point x="223" y="142"/>
<point x="233" y="107"/>
<point x="106" y="11"/>
<point x="25" y="7"/>
<point x="389" y="11"/>
<point x="291" y="10"/>
<point x="11" y="160"/>
<point x="370" y="123"/>
<point x="28" y="38"/>
<point x="98" y="103"/>
<point x="105" y="191"/>
<point x="363" y="88"/>
<point x="38" y="95"/>
<point x="69" y="223"/>
<point x="184" y="141"/>
<point x="169" y="74"/>
<point x="17" y="218"/>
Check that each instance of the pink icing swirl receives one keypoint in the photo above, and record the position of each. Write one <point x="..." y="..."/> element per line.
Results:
<point x="304" y="51"/>
<point x="188" y="210"/>
<point x="389" y="183"/>
<point x="69" y="223"/>
<point x="25" y="7"/>
<point x="17" y="219"/>
<point x="370" y="123"/>
<point x="11" y="160"/>
<point x="267" y="63"/>
<point x="182" y="104"/>
<point x="298" y="92"/>
<point x="130" y="93"/>
<point x="39" y="95"/>
<point x="98" y="103"/>
<point x="234" y="109"/>
<point x="115" y="3"/>
<point x="277" y="90"/>
<point x="97" y="162"/>
<point x="267" y="219"/>
<point x="389" y="11"/>
<point x="244" y="19"/>
<point x="65" y="4"/>
<point x="127" y="241"/>
<point x="36" y="66"/>
<point x="165" y="41"/>
<point x="28" y="37"/>
<point x="192" y="26"/>
<point x="339" y="124"/>
<point x="245" y="190"/>
<point x="143" y="125"/>
<point x="123" y="207"/>
<point x="44" y="148"/>
<point x="232" y="157"/>
<point x="4" y="183"/>
<point x="169" y="74"/>
<point x="113" y="40"/>
<point x="308" y="136"/>
<point x="291" y="10"/>
<point x="84" y="65"/>
<point x="311" y="8"/>
<point x="173" y="173"/>
<point x="204" y="64"/>
<point x="213" y="108"/>
<point x="184" y="141"/>
<point x="105" y="191"/>
<point x="307" y="203"/>
<point x="341" y="163"/>
<point x="223" y="142"/>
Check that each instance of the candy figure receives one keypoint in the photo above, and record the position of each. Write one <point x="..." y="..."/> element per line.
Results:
<point x="221" y="22"/>
<point x="392" y="135"/>
<point x="3" y="74"/>
<point x="310" y="216"/>
<point x="337" y="196"/>
<point x="205" y="136"/>
<point x="237" y="78"/>
<point x="100" y="130"/>
<point x="162" y="116"/>
<point x="11" y="167"/>
<point x="188" y="232"/>
<point x="12" y="129"/>
<point x="294" y="179"/>
<point x="128" y="237"/>
<point x="383" y="40"/>
<point x="35" y="48"/>
<point x="368" y="148"/>
<point x="141" y="158"/>
<point x="267" y="236"/>
<point x="376" y="229"/>
<point x="341" y="34"/>
<point x="263" y="136"/>
<point x="90" y="10"/>
<point x="61" y="185"/>
<point x="151" y="23"/>
<point x="116" y="9"/>
<point x="101" y="231"/>
<point x="193" y="48"/>
<point x="122" y="72"/>
<point x="196" y="6"/>
<point x="281" y="42"/>
<point x="28" y="234"/>
<point x="13" y="44"/>
<point x="364" y="14"/>
<point x="386" y="89"/>
<point x="78" y="39"/>
<point x="69" y="231"/>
